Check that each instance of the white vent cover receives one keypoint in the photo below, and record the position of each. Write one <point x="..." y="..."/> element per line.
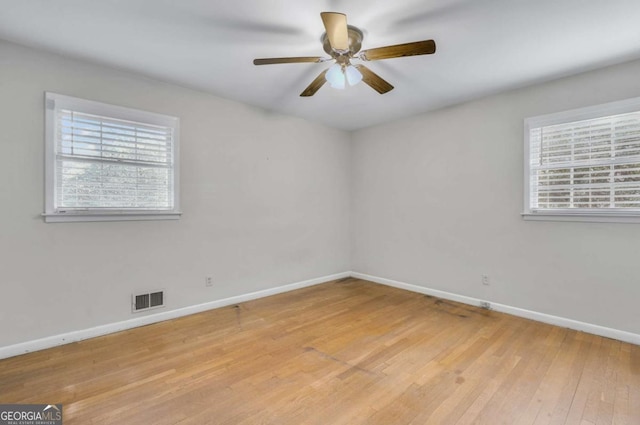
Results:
<point x="147" y="301"/>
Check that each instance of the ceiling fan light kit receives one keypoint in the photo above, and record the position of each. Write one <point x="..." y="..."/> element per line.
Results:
<point x="337" y="75"/>
<point x="342" y="43"/>
<point x="353" y="75"/>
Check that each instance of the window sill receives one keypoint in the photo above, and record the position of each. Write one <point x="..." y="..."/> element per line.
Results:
<point x="583" y="217"/>
<point x="109" y="216"/>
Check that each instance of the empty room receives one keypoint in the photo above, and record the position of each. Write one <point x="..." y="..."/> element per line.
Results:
<point x="324" y="212"/>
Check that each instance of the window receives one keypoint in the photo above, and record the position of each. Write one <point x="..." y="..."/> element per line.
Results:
<point x="584" y="164"/>
<point x="107" y="163"/>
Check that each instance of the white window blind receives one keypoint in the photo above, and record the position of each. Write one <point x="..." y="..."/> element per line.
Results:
<point x="585" y="166"/>
<point x="110" y="161"/>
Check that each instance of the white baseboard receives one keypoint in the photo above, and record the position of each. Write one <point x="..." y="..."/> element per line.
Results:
<point x="515" y="311"/>
<point x="69" y="337"/>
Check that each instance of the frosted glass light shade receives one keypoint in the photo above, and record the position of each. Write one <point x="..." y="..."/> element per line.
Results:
<point x="336" y="77"/>
<point x="353" y="75"/>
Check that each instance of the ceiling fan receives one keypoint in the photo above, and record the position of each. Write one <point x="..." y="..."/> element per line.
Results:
<point x="342" y="42"/>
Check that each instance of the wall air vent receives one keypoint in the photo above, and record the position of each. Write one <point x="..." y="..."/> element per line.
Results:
<point x="147" y="301"/>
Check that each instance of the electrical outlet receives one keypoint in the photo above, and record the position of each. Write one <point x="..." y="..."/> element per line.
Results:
<point x="485" y="279"/>
<point x="208" y="281"/>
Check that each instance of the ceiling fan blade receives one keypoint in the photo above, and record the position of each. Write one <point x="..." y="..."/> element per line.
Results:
<point x="315" y="85"/>
<point x="373" y="80"/>
<point x="425" y="47"/>
<point x="271" y="61"/>
<point x="336" y="26"/>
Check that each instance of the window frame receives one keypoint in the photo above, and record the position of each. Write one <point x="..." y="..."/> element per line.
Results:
<point x="579" y="114"/>
<point x="54" y="102"/>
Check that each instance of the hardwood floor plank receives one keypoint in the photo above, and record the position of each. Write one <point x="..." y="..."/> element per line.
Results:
<point x="553" y="385"/>
<point x="566" y="394"/>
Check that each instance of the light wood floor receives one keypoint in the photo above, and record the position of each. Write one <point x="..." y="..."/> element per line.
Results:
<point x="346" y="352"/>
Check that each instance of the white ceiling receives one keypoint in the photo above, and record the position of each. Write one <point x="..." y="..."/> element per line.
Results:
<point x="484" y="46"/>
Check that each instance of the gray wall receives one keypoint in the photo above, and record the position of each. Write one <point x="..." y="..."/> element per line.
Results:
<point x="438" y="197"/>
<point x="433" y="200"/>
<point x="265" y="201"/>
